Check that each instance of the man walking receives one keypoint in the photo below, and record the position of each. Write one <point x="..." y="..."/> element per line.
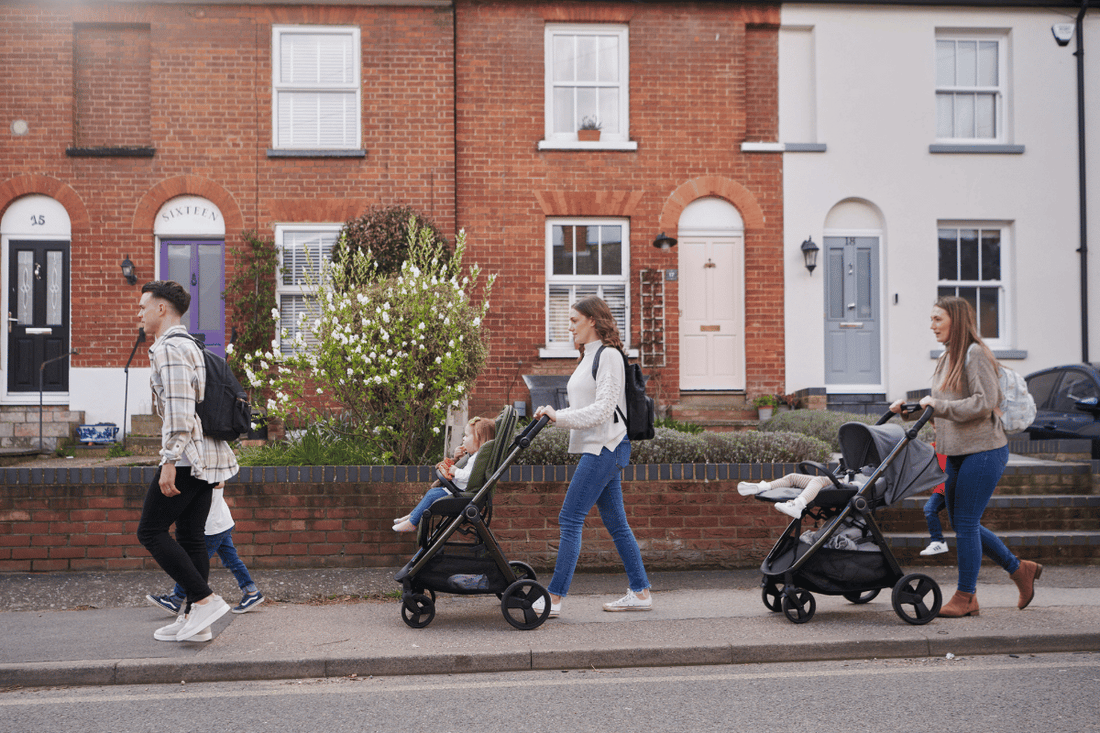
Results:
<point x="191" y="465"/>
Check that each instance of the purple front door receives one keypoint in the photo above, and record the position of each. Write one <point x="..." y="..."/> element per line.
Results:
<point x="200" y="267"/>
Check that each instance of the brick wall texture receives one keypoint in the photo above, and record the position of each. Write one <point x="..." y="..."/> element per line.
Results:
<point x="452" y="113"/>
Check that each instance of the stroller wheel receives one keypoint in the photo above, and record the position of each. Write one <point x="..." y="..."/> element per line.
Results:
<point x="865" y="597"/>
<point x="522" y="570"/>
<point x="517" y="601"/>
<point x="799" y="606"/>
<point x="417" y="610"/>
<point x="771" y="592"/>
<point x="920" y="593"/>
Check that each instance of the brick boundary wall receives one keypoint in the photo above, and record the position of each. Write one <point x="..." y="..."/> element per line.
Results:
<point x="684" y="516"/>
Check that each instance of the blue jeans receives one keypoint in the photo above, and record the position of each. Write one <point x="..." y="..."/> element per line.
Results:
<point x="932" y="508"/>
<point x="222" y="544"/>
<point x="971" y="480"/>
<point x="597" y="482"/>
<point x="429" y="496"/>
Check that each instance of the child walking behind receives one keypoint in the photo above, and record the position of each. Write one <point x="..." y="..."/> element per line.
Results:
<point x="219" y="540"/>
<point x="478" y="431"/>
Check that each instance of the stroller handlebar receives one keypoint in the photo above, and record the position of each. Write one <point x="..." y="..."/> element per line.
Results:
<point x="926" y="415"/>
<point x="533" y="429"/>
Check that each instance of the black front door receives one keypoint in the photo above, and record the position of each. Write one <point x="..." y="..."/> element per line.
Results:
<point x="38" y="315"/>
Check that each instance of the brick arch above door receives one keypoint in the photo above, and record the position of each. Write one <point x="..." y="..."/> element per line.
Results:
<point x="63" y="193"/>
<point x="716" y="186"/>
<point x="146" y="211"/>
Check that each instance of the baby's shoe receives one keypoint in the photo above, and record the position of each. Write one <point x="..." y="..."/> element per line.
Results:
<point x="792" y="508"/>
<point x="934" y="548"/>
<point x="748" y="488"/>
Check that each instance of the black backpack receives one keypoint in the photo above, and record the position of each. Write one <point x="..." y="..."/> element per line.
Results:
<point x="640" y="410"/>
<point x="224" y="412"/>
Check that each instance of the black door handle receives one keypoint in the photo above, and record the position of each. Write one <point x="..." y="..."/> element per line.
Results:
<point x="194" y="281"/>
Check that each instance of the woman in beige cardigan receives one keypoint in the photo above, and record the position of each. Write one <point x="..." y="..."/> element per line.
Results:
<point x="965" y="394"/>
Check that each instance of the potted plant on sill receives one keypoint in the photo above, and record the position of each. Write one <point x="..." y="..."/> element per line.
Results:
<point x="589" y="131"/>
<point x="765" y="404"/>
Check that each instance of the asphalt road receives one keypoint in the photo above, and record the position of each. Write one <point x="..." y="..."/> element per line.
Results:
<point x="1053" y="693"/>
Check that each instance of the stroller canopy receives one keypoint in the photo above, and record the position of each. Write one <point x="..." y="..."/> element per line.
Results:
<point x="913" y="471"/>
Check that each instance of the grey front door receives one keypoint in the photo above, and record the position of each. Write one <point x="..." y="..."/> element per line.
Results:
<point x="852" y="311"/>
<point x="199" y="266"/>
<point x="38" y="316"/>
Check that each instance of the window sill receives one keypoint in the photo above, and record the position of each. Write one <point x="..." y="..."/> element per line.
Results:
<point x="559" y="353"/>
<point x="1001" y="354"/>
<point x="280" y="153"/>
<point x="627" y="145"/>
<point x="109" y="152"/>
<point x="782" y="147"/>
<point x="979" y="148"/>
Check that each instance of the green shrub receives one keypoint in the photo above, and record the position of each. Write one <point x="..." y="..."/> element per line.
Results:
<point x="771" y="447"/>
<point x="824" y="424"/>
<point x="683" y="427"/>
<point x="383" y="232"/>
<point x="315" y="445"/>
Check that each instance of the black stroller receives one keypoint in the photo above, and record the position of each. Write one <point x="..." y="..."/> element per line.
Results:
<point x="880" y="465"/>
<point x="458" y="553"/>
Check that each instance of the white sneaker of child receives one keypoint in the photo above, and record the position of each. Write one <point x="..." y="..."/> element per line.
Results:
<point x="792" y="508"/>
<point x="748" y="488"/>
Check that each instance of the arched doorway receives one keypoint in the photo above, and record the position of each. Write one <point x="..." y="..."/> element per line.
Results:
<point x="36" y="234"/>
<point x="712" y="296"/>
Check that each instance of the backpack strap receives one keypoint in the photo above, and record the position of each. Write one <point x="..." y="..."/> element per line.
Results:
<point x="595" y="368"/>
<point x="189" y="337"/>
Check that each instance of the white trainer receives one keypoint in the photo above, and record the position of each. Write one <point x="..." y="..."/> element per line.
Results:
<point x="934" y="548"/>
<point x="630" y="602"/>
<point x="555" y="608"/>
<point x="202" y="615"/>
<point x="748" y="488"/>
<point x="792" y="508"/>
<point x="168" y="633"/>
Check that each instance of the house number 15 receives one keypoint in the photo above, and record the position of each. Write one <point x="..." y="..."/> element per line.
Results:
<point x="39" y="220"/>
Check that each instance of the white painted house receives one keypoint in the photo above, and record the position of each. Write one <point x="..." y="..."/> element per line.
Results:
<point x="933" y="149"/>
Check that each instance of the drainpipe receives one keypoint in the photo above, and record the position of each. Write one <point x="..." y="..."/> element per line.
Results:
<point x="1084" y="250"/>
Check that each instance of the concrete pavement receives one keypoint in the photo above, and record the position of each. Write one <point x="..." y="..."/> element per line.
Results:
<point x="96" y="629"/>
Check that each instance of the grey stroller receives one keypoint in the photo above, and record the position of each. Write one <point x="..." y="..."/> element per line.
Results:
<point x="848" y="555"/>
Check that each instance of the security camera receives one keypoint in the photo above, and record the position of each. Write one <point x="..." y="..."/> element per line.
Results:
<point x="1063" y="32"/>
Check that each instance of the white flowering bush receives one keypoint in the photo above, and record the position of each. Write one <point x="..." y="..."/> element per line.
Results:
<point x="394" y="352"/>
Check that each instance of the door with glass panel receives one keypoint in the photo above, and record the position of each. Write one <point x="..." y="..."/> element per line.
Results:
<point x="38" y="315"/>
<point x="200" y="267"/>
<point x="852" y="311"/>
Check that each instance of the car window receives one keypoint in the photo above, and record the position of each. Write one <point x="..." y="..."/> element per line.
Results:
<point x="1076" y="385"/>
<point x="1041" y="386"/>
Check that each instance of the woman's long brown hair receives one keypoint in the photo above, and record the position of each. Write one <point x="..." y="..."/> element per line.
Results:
<point x="595" y="308"/>
<point x="964" y="332"/>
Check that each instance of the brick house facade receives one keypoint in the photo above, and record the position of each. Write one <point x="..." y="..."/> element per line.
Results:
<point x="123" y="115"/>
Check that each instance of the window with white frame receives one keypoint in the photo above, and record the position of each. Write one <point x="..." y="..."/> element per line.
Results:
<point x="585" y="257"/>
<point x="971" y="87"/>
<point x="972" y="266"/>
<point x="315" y="94"/>
<point x="587" y="78"/>
<point x="302" y="250"/>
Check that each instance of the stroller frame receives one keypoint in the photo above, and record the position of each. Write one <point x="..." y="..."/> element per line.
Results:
<point x="788" y="575"/>
<point x="433" y="568"/>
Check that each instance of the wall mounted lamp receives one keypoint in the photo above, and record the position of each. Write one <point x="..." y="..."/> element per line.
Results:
<point x="128" y="271"/>
<point x="664" y="242"/>
<point x="809" y="254"/>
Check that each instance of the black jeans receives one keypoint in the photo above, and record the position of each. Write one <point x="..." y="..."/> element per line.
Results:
<point x="183" y="558"/>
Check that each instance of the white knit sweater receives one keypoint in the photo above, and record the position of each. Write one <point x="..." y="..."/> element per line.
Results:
<point x="590" y="415"/>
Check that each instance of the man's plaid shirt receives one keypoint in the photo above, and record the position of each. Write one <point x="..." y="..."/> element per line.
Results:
<point x="179" y="382"/>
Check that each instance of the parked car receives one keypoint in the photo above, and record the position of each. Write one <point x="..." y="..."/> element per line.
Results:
<point x="1067" y="401"/>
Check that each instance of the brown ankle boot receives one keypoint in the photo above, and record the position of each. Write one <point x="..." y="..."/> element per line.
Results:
<point x="1025" y="578"/>
<point x="961" y="604"/>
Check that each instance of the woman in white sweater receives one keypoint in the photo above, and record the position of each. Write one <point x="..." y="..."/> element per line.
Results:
<point x="599" y="435"/>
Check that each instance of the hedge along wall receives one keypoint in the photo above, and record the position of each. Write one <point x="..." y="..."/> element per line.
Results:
<point x="684" y="516"/>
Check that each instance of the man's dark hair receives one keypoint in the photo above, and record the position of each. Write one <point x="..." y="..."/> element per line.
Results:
<point x="171" y="291"/>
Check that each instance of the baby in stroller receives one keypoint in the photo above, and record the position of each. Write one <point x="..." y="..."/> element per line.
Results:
<point x="811" y="486"/>
<point x="478" y="431"/>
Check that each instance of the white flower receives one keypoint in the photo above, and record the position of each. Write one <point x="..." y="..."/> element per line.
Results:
<point x="275" y="343"/>
<point x="420" y="386"/>
<point x="320" y="391"/>
<point x="271" y="404"/>
<point x="264" y="366"/>
<point x="274" y="314"/>
<point x="436" y="430"/>
<point x="229" y="349"/>
<point x="439" y="360"/>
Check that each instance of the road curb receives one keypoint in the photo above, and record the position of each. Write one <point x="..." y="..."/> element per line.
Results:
<point x="147" y="671"/>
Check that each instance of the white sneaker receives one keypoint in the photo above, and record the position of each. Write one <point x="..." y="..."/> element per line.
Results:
<point x="934" y="548"/>
<point x="792" y="508"/>
<point x="630" y="602"/>
<point x="202" y="615"/>
<point x="168" y="633"/>
<point x="748" y="488"/>
<point x="555" y="608"/>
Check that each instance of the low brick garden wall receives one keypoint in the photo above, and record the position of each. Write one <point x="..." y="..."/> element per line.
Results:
<point x="684" y="516"/>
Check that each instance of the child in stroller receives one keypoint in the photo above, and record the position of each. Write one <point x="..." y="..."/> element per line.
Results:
<point x="811" y="486"/>
<point x="478" y="431"/>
